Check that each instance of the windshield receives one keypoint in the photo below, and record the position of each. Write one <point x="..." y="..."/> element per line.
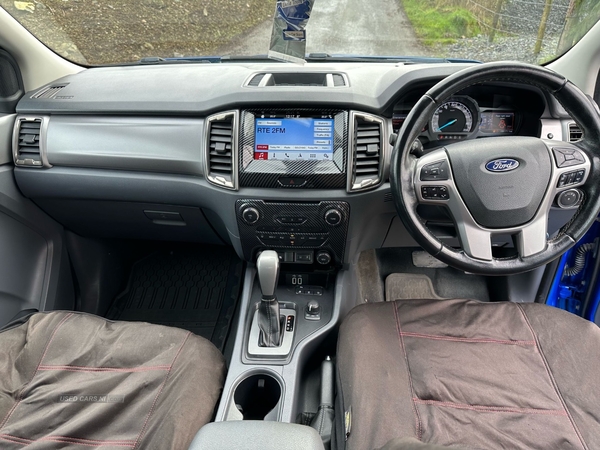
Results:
<point x="95" y="32"/>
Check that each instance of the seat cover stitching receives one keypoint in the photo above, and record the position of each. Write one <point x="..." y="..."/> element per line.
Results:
<point x="66" y="440"/>
<point x="412" y="392"/>
<point x="86" y="444"/>
<point x="497" y="409"/>
<point x="139" y="438"/>
<point x="18" y="440"/>
<point x="551" y="376"/>
<point x="468" y="340"/>
<point x="105" y="369"/>
<point x="95" y="442"/>
<point x="20" y="396"/>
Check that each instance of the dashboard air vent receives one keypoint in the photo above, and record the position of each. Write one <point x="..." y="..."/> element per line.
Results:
<point x="367" y="157"/>
<point x="27" y="142"/>
<point x="338" y="80"/>
<point x="50" y="91"/>
<point x="256" y="79"/>
<point x="294" y="79"/>
<point x="221" y="150"/>
<point x="575" y="133"/>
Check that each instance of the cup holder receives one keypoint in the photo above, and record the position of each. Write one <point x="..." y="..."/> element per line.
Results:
<point x="256" y="396"/>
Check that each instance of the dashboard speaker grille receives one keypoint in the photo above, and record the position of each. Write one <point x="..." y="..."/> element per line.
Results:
<point x="10" y="80"/>
<point x="221" y="149"/>
<point x="368" y="150"/>
<point x="11" y="83"/>
<point x="575" y="133"/>
<point x="49" y="92"/>
<point x="27" y="151"/>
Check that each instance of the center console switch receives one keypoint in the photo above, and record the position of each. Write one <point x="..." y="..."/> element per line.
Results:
<point x="301" y="233"/>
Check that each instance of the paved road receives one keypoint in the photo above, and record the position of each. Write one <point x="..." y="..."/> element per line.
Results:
<point x="361" y="27"/>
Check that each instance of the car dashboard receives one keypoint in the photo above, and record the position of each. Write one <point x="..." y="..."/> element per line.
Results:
<point x="256" y="155"/>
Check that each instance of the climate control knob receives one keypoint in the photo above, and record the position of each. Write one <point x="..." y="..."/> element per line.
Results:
<point x="333" y="217"/>
<point x="250" y="215"/>
<point x="323" y="258"/>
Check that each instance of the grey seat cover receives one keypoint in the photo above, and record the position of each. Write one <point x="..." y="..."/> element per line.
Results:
<point x="56" y="369"/>
<point x="469" y="374"/>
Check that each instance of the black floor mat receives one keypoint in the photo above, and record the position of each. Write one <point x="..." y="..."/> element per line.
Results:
<point x="196" y="290"/>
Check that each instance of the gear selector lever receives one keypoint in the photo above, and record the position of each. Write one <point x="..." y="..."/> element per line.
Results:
<point x="269" y="323"/>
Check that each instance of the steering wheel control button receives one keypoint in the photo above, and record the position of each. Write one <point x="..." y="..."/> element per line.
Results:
<point x="569" y="198"/>
<point x="566" y="157"/>
<point x="250" y="215"/>
<point x="333" y="217"/>
<point x="435" y="193"/>
<point x="570" y="178"/>
<point x="435" y="171"/>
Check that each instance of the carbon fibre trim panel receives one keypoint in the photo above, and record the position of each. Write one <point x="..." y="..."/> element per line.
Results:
<point x="280" y="236"/>
<point x="318" y="174"/>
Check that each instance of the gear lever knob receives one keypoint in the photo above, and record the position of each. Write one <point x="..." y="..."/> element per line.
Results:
<point x="267" y="267"/>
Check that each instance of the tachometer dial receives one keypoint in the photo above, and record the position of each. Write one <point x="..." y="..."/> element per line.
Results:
<point x="454" y="119"/>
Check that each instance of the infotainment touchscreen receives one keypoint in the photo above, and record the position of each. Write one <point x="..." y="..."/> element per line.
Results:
<point x="294" y="139"/>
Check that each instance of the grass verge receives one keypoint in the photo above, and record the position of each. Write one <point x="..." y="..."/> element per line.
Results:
<point x="437" y="23"/>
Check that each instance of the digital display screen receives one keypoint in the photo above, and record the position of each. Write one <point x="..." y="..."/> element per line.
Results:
<point x="294" y="139"/>
<point x="497" y="122"/>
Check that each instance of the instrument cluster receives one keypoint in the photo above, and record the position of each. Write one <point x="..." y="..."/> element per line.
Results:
<point x="461" y="117"/>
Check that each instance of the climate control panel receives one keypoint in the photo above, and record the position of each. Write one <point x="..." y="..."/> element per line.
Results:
<point x="319" y="226"/>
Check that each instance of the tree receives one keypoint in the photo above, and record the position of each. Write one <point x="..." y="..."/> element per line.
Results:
<point x="495" y="19"/>
<point x="542" y="28"/>
<point x="567" y="36"/>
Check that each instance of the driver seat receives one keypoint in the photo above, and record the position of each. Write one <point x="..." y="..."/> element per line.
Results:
<point x="467" y="374"/>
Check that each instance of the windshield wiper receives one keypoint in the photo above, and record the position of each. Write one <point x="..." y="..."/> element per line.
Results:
<point x="311" y="57"/>
<point x="316" y="57"/>
<point x="155" y="60"/>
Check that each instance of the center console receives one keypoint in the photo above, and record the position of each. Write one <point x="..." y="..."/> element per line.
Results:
<point x="296" y="279"/>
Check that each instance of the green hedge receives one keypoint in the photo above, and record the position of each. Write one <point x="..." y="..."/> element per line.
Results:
<point x="435" y="22"/>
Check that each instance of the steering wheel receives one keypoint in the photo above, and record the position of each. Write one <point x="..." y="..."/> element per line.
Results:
<point x="499" y="185"/>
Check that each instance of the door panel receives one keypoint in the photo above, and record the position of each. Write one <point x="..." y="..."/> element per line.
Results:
<point x="34" y="266"/>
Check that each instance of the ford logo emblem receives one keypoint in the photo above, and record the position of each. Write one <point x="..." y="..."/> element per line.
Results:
<point x="502" y="165"/>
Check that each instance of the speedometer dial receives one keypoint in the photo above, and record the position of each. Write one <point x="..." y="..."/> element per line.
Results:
<point x="455" y="119"/>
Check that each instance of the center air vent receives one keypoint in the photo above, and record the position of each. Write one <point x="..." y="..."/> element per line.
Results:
<point x="575" y="133"/>
<point x="221" y="150"/>
<point x="368" y="150"/>
<point x="256" y="79"/>
<point x="284" y="79"/>
<point x="27" y="141"/>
